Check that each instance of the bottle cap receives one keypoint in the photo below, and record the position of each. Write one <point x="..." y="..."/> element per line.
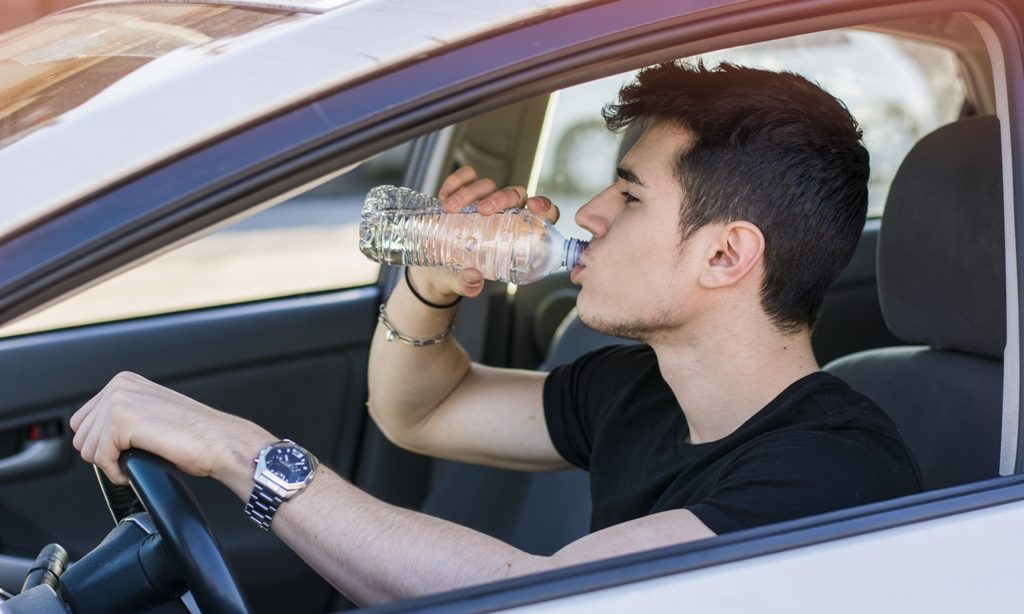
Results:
<point x="573" y="249"/>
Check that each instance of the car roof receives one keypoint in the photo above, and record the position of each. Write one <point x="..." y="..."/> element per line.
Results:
<point x="164" y="110"/>
<point x="308" y="6"/>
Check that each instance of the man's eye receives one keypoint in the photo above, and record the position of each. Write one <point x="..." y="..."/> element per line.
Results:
<point x="629" y="198"/>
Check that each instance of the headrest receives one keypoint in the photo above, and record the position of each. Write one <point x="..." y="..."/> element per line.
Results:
<point x="574" y="339"/>
<point x="941" y="268"/>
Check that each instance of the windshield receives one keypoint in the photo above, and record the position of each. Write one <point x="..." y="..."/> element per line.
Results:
<point x="60" y="62"/>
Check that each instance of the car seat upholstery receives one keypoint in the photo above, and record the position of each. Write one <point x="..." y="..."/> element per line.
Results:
<point x="941" y="280"/>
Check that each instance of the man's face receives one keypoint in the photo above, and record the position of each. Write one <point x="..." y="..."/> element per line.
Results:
<point x="637" y="276"/>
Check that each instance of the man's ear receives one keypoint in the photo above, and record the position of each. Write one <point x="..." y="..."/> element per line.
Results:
<point x="731" y="255"/>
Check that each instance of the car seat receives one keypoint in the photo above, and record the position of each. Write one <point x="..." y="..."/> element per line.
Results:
<point x="941" y="280"/>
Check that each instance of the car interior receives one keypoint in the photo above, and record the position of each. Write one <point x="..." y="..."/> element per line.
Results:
<point x="916" y="321"/>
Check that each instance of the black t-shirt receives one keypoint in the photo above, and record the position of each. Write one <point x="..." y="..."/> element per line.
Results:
<point x="817" y="447"/>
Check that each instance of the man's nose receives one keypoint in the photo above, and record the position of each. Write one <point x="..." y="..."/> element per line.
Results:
<point x="596" y="215"/>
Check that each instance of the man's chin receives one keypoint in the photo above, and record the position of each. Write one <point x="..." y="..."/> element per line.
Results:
<point x="635" y="331"/>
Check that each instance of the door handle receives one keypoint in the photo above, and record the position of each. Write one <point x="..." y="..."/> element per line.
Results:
<point x="35" y="456"/>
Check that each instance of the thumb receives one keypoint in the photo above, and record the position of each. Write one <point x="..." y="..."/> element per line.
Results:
<point x="542" y="206"/>
<point x="471" y="282"/>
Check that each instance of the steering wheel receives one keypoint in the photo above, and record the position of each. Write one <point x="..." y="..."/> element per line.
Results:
<point x="176" y="514"/>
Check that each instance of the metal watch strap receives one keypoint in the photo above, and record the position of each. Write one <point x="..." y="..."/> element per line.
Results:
<point x="262" y="506"/>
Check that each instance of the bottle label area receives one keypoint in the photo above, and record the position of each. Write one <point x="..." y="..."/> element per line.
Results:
<point x="402" y="227"/>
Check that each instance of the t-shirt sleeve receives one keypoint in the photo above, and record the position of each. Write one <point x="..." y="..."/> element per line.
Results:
<point x="575" y="395"/>
<point x="800" y="474"/>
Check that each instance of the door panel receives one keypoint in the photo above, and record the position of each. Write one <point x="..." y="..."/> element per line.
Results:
<point x="296" y="366"/>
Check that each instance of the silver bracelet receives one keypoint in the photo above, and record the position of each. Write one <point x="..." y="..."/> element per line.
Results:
<point x="394" y="335"/>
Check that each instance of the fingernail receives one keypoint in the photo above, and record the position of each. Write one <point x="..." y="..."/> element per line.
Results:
<point x="485" y="206"/>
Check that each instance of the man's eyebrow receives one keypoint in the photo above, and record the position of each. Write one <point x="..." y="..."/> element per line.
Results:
<point x="629" y="176"/>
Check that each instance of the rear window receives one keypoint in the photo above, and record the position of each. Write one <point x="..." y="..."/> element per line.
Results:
<point x="57" y="64"/>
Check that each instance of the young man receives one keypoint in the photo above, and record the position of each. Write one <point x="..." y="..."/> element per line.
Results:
<point x="732" y="214"/>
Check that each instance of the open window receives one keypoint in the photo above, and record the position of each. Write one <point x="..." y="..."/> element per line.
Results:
<point x="924" y="82"/>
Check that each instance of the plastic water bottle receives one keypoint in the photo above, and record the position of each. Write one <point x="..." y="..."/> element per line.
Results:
<point x="401" y="226"/>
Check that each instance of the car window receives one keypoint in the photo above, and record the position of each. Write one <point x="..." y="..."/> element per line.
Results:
<point x="308" y="243"/>
<point x="898" y="89"/>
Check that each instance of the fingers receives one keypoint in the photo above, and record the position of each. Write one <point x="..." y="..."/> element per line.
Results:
<point x="470" y="282"/>
<point x="437" y="284"/>
<point x="105" y="426"/>
<point x="463" y="188"/>
<point x="107" y="459"/>
<point x="91" y="424"/>
<point x="81" y="426"/>
<point x="133" y="412"/>
<point x="469" y="194"/>
<point x="461" y="177"/>
<point x="84" y="411"/>
<point x="83" y="422"/>
<point x="542" y="206"/>
<point x="105" y="452"/>
<point x="442" y="285"/>
<point x="506" y="198"/>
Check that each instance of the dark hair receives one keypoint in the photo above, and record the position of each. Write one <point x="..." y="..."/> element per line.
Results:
<point x="773" y="149"/>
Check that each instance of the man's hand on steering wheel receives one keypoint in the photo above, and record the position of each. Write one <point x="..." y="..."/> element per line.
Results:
<point x="133" y="412"/>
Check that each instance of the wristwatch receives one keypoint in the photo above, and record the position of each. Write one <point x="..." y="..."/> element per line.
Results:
<point x="283" y="470"/>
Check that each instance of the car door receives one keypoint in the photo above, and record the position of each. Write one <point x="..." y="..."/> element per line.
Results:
<point x="274" y="359"/>
<point x="269" y="318"/>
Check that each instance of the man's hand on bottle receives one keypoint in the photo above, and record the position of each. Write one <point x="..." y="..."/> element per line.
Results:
<point x="461" y="189"/>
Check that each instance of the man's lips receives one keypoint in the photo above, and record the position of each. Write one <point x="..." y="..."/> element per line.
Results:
<point x="583" y="262"/>
<point x="574" y="274"/>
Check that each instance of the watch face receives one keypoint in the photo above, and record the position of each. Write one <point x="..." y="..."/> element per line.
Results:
<point x="290" y="464"/>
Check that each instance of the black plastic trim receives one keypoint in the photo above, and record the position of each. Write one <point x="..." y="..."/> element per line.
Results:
<point x="282" y="326"/>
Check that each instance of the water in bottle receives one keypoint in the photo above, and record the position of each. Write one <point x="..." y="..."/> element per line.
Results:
<point x="401" y="226"/>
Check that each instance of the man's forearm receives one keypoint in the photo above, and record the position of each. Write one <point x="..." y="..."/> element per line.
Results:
<point x="374" y="552"/>
<point x="371" y="550"/>
<point x="405" y="382"/>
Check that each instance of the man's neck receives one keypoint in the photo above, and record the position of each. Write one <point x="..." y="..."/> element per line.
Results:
<point x="721" y="380"/>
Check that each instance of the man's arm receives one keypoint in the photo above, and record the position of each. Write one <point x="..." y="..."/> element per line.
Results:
<point x="375" y="553"/>
<point x="433" y="399"/>
<point x="371" y="551"/>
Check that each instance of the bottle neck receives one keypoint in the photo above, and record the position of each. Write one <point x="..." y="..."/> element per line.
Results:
<point x="571" y="253"/>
